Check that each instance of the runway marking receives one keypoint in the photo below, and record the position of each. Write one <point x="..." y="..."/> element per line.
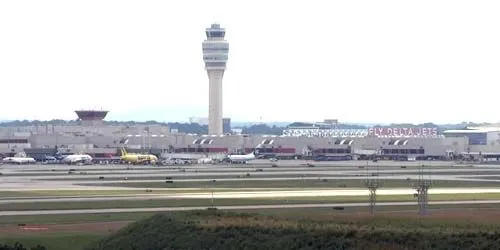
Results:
<point x="35" y="228"/>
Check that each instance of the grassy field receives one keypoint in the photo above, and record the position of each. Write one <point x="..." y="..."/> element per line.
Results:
<point x="33" y="193"/>
<point x="361" y="215"/>
<point x="72" y="218"/>
<point x="309" y="213"/>
<point x="227" y="202"/>
<point x="319" y="183"/>
<point x="352" y="216"/>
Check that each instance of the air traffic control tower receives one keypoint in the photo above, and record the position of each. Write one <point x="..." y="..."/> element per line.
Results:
<point x="215" y="55"/>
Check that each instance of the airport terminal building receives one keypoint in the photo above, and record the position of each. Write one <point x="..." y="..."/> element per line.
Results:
<point x="320" y="144"/>
<point x="319" y="141"/>
<point x="481" y="143"/>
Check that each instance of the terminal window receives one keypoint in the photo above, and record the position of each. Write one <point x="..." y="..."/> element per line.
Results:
<point x="477" y="139"/>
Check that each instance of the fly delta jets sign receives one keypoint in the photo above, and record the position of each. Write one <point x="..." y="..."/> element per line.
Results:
<point x="402" y="132"/>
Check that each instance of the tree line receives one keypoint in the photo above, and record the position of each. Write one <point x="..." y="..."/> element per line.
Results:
<point x="195" y="128"/>
<point x="19" y="246"/>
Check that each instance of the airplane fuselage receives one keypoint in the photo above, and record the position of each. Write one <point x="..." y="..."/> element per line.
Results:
<point x="18" y="160"/>
<point x="139" y="158"/>
<point x="205" y="161"/>
<point x="74" y="159"/>
<point x="241" y="158"/>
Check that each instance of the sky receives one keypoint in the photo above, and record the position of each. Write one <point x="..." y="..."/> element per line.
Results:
<point x="355" y="61"/>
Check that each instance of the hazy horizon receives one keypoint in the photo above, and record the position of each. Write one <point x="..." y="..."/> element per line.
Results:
<point x="240" y="122"/>
<point x="355" y="61"/>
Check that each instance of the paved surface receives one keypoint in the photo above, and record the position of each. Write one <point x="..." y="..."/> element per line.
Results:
<point x="253" y="194"/>
<point x="249" y="207"/>
<point x="30" y="177"/>
<point x="56" y="177"/>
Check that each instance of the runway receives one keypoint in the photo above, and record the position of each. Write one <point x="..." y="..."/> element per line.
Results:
<point x="248" y="207"/>
<point x="35" y="177"/>
<point x="254" y="194"/>
<point x="47" y="178"/>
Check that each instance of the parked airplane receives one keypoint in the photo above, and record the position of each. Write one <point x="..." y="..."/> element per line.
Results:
<point x="18" y="160"/>
<point x="77" y="158"/>
<point x="138" y="158"/>
<point x="241" y="158"/>
<point x="206" y="160"/>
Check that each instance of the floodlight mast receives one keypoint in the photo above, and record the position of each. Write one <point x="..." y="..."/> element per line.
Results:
<point x="422" y="186"/>
<point x="372" y="184"/>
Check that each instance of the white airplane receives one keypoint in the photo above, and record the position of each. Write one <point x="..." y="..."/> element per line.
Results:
<point x="241" y="158"/>
<point x="18" y="160"/>
<point x="207" y="160"/>
<point x="77" y="158"/>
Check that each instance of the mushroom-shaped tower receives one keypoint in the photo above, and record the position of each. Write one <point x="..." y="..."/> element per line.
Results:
<point x="91" y="117"/>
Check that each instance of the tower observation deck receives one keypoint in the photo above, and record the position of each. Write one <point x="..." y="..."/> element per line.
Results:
<point x="215" y="55"/>
<point x="91" y="117"/>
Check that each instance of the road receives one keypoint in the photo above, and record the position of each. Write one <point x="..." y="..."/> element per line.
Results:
<point x="249" y="207"/>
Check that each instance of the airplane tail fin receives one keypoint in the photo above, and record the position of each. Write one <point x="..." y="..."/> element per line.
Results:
<point x="122" y="150"/>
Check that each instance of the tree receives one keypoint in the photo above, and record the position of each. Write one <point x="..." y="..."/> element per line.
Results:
<point x="19" y="246"/>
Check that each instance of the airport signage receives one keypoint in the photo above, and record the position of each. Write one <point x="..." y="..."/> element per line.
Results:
<point x="402" y="132"/>
<point x="326" y="132"/>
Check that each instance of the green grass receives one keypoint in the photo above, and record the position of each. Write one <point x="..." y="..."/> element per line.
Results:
<point x="402" y="217"/>
<point x="35" y="193"/>
<point x="72" y="218"/>
<point x="319" y="183"/>
<point x="228" y="202"/>
<point x="329" y="214"/>
<point x="80" y="239"/>
<point x="53" y="241"/>
<point x="60" y="193"/>
<point x="309" y="213"/>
